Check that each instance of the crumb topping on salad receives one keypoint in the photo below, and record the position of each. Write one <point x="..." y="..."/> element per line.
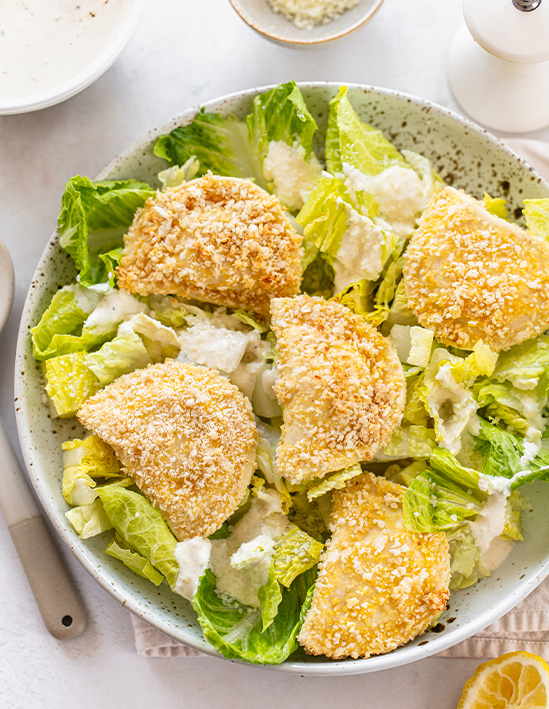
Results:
<point x="187" y="437"/>
<point x="341" y="386"/>
<point x="470" y="275"/>
<point x="379" y="585"/>
<point x="218" y="239"/>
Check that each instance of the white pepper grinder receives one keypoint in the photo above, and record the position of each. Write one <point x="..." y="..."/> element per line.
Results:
<point x="499" y="64"/>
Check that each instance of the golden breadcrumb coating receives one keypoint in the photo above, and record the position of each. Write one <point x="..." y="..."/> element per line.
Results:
<point x="218" y="239"/>
<point x="471" y="276"/>
<point x="340" y="384"/>
<point x="378" y="585"/>
<point x="186" y="435"/>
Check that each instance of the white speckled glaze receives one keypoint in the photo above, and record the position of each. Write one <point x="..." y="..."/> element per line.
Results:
<point x="260" y="17"/>
<point x="465" y="156"/>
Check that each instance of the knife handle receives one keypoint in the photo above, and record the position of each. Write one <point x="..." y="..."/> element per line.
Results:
<point x="58" y="601"/>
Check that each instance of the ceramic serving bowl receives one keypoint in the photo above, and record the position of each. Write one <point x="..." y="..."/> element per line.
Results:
<point x="260" y="17"/>
<point x="122" y="32"/>
<point x="463" y="155"/>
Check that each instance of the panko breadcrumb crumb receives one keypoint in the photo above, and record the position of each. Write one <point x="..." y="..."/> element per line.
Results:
<point x="218" y="239"/>
<point x="379" y="585"/>
<point x="471" y="276"/>
<point x="186" y="435"/>
<point x="340" y="384"/>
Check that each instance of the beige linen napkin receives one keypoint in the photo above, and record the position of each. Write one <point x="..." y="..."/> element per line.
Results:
<point x="526" y="627"/>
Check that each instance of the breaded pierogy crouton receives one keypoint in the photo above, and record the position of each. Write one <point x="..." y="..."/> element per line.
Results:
<point x="471" y="276"/>
<point x="218" y="239"/>
<point x="186" y="435"/>
<point x="340" y="383"/>
<point x="379" y="585"/>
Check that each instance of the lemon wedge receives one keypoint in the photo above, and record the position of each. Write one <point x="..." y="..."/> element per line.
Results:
<point x="517" y="680"/>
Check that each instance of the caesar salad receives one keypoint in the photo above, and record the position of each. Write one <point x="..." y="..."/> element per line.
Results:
<point x="313" y="375"/>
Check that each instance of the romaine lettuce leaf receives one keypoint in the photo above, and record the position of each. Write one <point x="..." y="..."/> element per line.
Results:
<point x="133" y="560"/>
<point x="409" y="442"/>
<point x="414" y="410"/>
<point x="69" y="382"/>
<point x="412" y="343"/>
<point x="496" y="206"/>
<point x="334" y="481"/>
<point x="465" y="565"/>
<point x="358" y="297"/>
<point x="93" y="219"/>
<point x="270" y="597"/>
<point x="349" y="140"/>
<point x="294" y="553"/>
<point x="220" y="144"/>
<point x="252" y="320"/>
<point x="536" y="213"/>
<point x="123" y="355"/>
<point x="280" y="114"/>
<point x="175" y="175"/>
<point x="237" y="630"/>
<point x="161" y="341"/>
<point x="318" y="277"/>
<point x="89" y="520"/>
<point x="83" y="462"/>
<point x="524" y="365"/>
<point x="168" y="310"/>
<point x="142" y="527"/>
<point x="400" y="312"/>
<point x="59" y="331"/>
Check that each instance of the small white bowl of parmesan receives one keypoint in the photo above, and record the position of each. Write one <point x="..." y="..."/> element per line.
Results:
<point x="49" y="51"/>
<point x="305" y="23"/>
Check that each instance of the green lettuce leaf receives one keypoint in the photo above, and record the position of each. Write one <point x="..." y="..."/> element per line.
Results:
<point x="280" y="114"/>
<point x="409" y="442"/>
<point x="465" y="565"/>
<point x="252" y="320"/>
<point x="399" y="312"/>
<point x="69" y="382"/>
<point x="334" y="481"/>
<point x="120" y="356"/>
<point x="89" y="520"/>
<point x="270" y="597"/>
<point x="133" y="560"/>
<point x="83" y="462"/>
<point x="349" y="140"/>
<point x="93" y="219"/>
<point x="536" y="213"/>
<point x="524" y="365"/>
<point x="496" y="206"/>
<point x="59" y="331"/>
<point x="358" y="297"/>
<point x="237" y="630"/>
<point x="168" y="310"/>
<point x="294" y="553"/>
<point x="220" y="144"/>
<point x="175" y="175"/>
<point x="142" y="527"/>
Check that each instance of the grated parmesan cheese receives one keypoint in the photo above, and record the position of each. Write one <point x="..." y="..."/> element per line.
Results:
<point x="306" y="14"/>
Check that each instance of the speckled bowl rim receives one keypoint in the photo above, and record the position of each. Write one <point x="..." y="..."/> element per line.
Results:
<point x="304" y="42"/>
<point x="405" y="655"/>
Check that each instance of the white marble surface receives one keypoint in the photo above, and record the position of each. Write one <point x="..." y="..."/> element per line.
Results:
<point x="183" y="53"/>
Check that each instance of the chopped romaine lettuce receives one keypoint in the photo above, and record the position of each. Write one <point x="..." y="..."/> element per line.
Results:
<point x="412" y="344"/>
<point x="59" y="331"/>
<point x="237" y="630"/>
<point x="69" y="382"/>
<point x="318" y="277"/>
<point x="169" y="311"/>
<point x="349" y="140"/>
<point x="496" y="206"/>
<point x="536" y="213"/>
<point x="465" y="565"/>
<point x="220" y="144"/>
<point x="142" y="527"/>
<point x="280" y="115"/>
<point x="123" y="355"/>
<point x="175" y="175"/>
<point x="294" y="553"/>
<point x="252" y="320"/>
<point x="83" y="461"/>
<point x="270" y="597"/>
<point x="93" y="219"/>
<point x="133" y="560"/>
<point x="409" y="442"/>
<point x="524" y="365"/>
<point x="89" y="520"/>
<point x="334" y="481"/>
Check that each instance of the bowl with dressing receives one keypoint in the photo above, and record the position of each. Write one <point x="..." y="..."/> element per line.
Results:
<point x="50" y="51"/>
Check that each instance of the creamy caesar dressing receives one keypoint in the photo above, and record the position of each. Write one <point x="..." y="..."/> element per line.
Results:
<point x="293" y="176"/>
<point x="359" y="256"/>
<point x="211" y="346"/>
<point x="86" y="299"/>
<point x="241" y="562"/>
<point x="496" y="553"/>
<point x="115" y="307"/>
<point x="45" y="43"/>
<point x="401" y="195"/>
<point x="192" y="556"/>
<point x="489" y="523"/>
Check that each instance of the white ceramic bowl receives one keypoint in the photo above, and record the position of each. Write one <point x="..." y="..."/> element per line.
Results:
<point x="109" y="53"/>
<point x="463" y="155"/>
<point x="260" y="17"/>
